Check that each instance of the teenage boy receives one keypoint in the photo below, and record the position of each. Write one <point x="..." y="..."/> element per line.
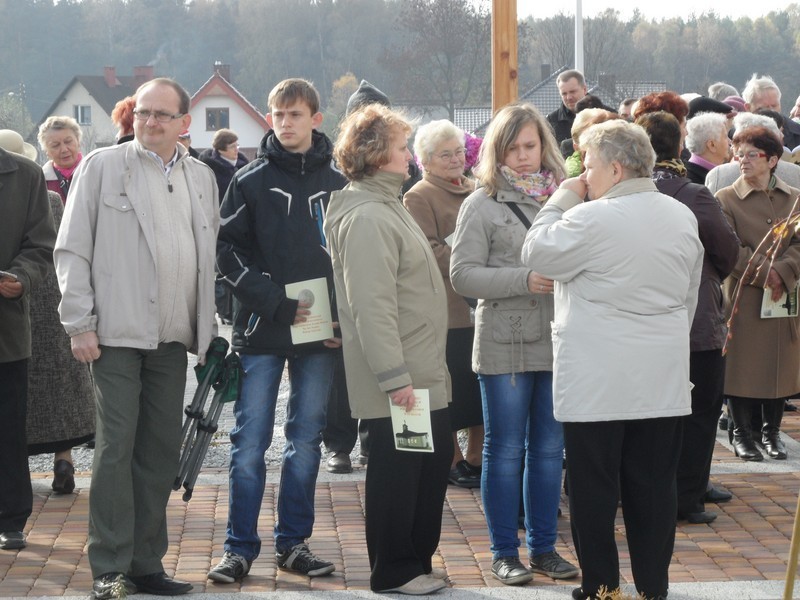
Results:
<point x="270" y="237"/>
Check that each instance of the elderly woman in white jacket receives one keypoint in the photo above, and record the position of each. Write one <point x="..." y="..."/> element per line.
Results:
<point x="627" y="266"/>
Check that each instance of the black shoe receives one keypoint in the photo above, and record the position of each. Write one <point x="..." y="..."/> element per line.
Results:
<point x="723" y="423"/>
<point x="509" y="570"/>
<point x="232" y="567"/>
<point x="113" y="585"/>
<point x="697" y="518"/>
<point x="553" y="565"/>
<point x="160" y="584"/>
<point x="63" y="477"/>
<point x="339" y="462"/>
<point x="789" y="407"/>
<point x="716" y="495"/>
<point x="465" y="475"/>
<point x="12" y="540"/>
<point x="579" y="594"/>
<point x="301" y="560"/>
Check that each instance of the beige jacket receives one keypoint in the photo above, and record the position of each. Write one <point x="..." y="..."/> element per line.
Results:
<point x="391" y="297"/>
<point x="105" y="251"/>
<point x="434" y="204"/>
<point x="512" y="326"/>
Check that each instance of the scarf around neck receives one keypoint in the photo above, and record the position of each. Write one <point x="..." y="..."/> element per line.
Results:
<point x="673" y="164"/>
<point x="539" y="186"/>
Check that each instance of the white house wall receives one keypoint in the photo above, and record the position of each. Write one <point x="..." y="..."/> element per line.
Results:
<point x="240" y="121"/>
<point x="101" y="132"/>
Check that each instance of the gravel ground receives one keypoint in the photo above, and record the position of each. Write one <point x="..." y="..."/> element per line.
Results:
<point x="217" y="457"/>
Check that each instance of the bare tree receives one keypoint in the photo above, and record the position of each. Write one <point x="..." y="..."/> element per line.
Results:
<point x="446" y="53"/>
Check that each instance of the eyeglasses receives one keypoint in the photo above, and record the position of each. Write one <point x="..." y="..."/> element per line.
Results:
<point x="160" y="116"/>
<point x="448" y="156"/>
<point x="751" y="155"/>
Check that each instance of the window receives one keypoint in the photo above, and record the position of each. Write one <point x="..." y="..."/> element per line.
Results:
<point x="217" y="118"/>
<point x="83" y="114"/>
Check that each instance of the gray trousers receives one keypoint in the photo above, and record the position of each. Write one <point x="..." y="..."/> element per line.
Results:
<point x="139" y="398"/>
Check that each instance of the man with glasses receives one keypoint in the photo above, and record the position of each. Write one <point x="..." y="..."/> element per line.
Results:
<point x="135" y="263"/>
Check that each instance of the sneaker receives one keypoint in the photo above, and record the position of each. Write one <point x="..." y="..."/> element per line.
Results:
<point x="511" y="571"/>
<point x="300" y="560"/>
<point x="552" y="565"/>
<point x="421" y="585"/>
<point x="232" y="567"/>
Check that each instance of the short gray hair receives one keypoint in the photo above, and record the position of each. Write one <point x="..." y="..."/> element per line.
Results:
<point x="56" y="122"/>
<point x="702" y="128"/>
<point x="747" y="119"/>
<point x="721" y="90"/>
<point x="758" y="85"/>
<point x="622" y="142"/>
<point x="431" y="135"/>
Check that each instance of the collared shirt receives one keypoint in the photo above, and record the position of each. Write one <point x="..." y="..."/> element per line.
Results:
<point x="699" y="160"/>
<point x="167" y="167"/>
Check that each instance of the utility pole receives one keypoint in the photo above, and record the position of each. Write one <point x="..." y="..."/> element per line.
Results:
<point x="504" y="53"/>
<point x="579" y="36"/>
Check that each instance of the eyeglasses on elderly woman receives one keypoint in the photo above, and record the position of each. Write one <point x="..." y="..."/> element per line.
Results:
<point x="750" y="155"/>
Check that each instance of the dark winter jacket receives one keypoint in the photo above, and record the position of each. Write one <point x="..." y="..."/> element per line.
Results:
<point x="721" y="247"/>
<point x="561" y="121"/>
<point x="26" y="247"/>
<point x="222" y="167"/>
<point x="271" y="236"/>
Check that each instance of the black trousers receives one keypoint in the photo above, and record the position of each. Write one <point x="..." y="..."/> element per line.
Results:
<point x="341" y="429"/>
<point x="16" y="496"/>
<point x="635" y="460"/>
<point x="707" y="373"/>
<point x="404" y="500"/>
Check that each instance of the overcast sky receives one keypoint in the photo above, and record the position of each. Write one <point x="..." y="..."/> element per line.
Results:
<point x="651" y="10"/>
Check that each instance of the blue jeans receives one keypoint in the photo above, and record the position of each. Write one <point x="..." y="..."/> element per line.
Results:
<point x="310" y="380"/>
<point x="520" y="428"/>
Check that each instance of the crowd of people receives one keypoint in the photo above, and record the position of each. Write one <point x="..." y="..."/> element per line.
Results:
<point x="571" y="299"/>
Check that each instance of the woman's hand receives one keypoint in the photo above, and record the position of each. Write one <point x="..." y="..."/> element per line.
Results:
<point x="575" y="184"/>
<point x="538" y="284"/>
<point x="775" y="283"/>
<point x="403" y="397"/>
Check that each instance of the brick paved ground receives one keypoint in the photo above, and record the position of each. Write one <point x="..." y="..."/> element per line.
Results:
<point x="749" y="541"/>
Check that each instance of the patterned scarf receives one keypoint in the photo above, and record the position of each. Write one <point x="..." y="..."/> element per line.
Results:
<point x="539" y="186"/>
<point x="673" y="164"/>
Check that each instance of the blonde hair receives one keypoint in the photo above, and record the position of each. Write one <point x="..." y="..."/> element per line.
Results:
<point x="503" y="131"/>
<point x="365" y="140"/>
<point x="588" y="117"/>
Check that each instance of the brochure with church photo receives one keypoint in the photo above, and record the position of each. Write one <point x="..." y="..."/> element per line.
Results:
<point x="785" y="306"/>
<point x="318" y="325"/>
<point x="412" y="429"/>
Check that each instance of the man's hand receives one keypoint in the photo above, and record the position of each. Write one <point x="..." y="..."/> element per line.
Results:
<point x="86" y="347"/>
<point x="301" y="316"/>
<point x="403" y="397"/>
<point x="10" y="288"/>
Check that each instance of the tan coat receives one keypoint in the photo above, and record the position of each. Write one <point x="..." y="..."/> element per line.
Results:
<point x="392" y="304"/>
<point x="763" y="354"/>
<point x="434" y="204"/>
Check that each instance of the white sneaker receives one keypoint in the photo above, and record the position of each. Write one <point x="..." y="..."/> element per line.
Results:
<point x="421" y="585"/>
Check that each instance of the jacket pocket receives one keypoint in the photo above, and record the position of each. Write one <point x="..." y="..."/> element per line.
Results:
<point x="514" y="325"/>
<point x="117" y="202"/>
<point x="413" y="332"/>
